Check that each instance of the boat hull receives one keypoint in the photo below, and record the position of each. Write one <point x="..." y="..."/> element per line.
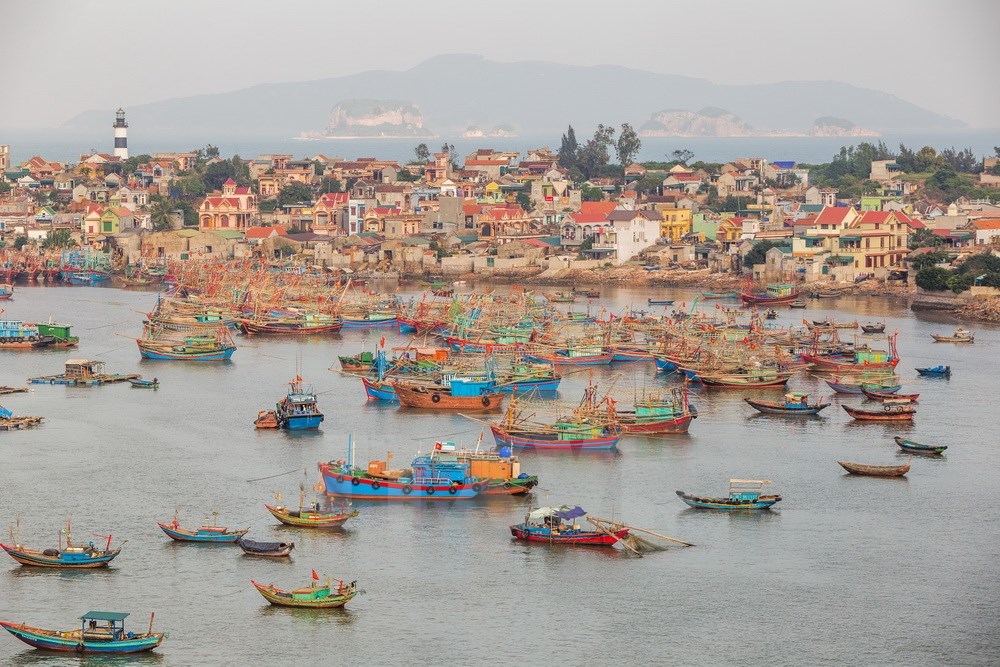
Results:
<point x="916" y="448"/>
<point x="220" y="355"/>
<point x="778" y="409"/>
<point x="302" y="422"/>
<point x="766" y="300"/>
<point x="41" y="639"/>
<point x="880" y="416"/>
<point x="203" y="537"/>
<point x="429" y="399"/>
<point x="727" y="505"/>
<point x="665" y="426"/>
<point x="563" y="360"/>
<point x="34" y="558"/>
<point x="271" y="595"/>
<point x="537" y="441"/>
<point x="874" y="471"/>
<point x="582" y="537"/>
<point x="364" y="488"/>
<point x="335" y="521"/>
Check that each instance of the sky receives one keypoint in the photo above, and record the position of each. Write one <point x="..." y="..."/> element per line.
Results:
<point x="98" y="54"/>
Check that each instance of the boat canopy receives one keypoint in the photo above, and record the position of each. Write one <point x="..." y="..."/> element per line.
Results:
<point x="113" y="616"/>
<point x="564" y="512"/>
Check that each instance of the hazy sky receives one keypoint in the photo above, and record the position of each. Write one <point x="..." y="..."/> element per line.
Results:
<point x="64" y="57"/>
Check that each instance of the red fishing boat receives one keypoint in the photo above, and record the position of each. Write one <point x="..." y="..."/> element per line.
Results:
<point x="557" y="525"/>
<point x="889" y="412"/>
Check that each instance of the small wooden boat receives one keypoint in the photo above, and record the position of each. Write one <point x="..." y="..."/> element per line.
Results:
<point x="70" y="557"/>
<point x="313" y="596"/>
<point x="771" y="314"/>
<point x="874" y="471"/>
<point x="935" y="371"/>
<point x="918" y="448"/>
<point x="557" y="525"/>
<point x="267" y="419"/>
<point x="100" y="632"/>
<point x="465" y="395"/>
<point x="876" y="328"/>
<point x="797" y="303"/>
<point x="359" y="362"/>
<point x="660" y="302"/>
<point x="656" y="414"/>
<point x="744" y="494"/>
<point x="794" y="404"/>
<point x="960" y="336"/>
<point x="144" y="384"/>
<point x="214" y="533"/>
<point x="883" y="395"/>
<point x="310" y="518"/>
<point x="845" y="387"/>
<point x="266" y="549"/>
<point x="889" y="412"/>
<point x="774" y="294"/>
<point x="719" y="295"/>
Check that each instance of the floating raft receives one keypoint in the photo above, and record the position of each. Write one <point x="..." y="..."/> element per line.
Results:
<point x="18" y="423"/>
<point x="13" y="390"/>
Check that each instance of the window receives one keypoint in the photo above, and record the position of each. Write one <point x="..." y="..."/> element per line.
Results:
<point x="208" y="248"/>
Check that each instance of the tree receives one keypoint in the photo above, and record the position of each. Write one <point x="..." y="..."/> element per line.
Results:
<point x="591" y="193"/>
<point x="958" y="283"/>
<point x="650" y="183"/>
<point x="594" y="156"/>
<point x="628" y="145"/>
<point x="524" y="201"/>
<point x="218" y="173"/>
<point x="923" y="238"/>
<point x="568" y="149"/>
<point x="211" y="151"/>
<point x="295" y="193"/>
<point x="20" y="241"/>
<point x="330" y="184"/>
<point x="62" y="238"/>
<point x="318" y="168"/>
<point x="934" y="279"/>
<point x="422" y="152"/>
<point x="928" y="259"/>
<point x="4" y="187"/>
<point x="160" y="214"/>
<point x="242" y="171"/>
<point x="758" y="254"/>
<point x="682" y="156"/>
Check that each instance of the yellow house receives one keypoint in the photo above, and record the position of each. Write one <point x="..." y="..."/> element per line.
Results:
<point x="676" y="223"/>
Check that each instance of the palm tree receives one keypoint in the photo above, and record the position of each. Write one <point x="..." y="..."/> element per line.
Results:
<point x="61" y="238"/>
<point x="160" y="214"/>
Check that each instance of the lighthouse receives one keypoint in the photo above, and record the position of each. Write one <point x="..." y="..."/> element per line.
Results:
<point x="121" y="135"/>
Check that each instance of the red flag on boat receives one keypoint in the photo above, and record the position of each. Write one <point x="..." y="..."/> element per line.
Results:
<point x="315" y="576"/>
<point x="381" y="341"/>
<point x="298" y="378"/>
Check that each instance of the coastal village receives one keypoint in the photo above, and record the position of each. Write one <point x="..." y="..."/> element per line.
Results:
<point x="495" y="213"/>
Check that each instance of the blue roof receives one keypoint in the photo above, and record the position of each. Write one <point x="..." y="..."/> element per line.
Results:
<point x="785" y="164"/>
<point x="104" y="616"/>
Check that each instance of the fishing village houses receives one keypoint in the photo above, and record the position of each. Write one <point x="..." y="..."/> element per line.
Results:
<point x="491" y="212"/>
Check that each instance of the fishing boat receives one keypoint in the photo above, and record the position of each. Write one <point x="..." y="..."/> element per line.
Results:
<point x="848" y="386"/>
<point x="719" y="295"/>
<point x="660" y="302"/>
<point x="558" y="525"/>
<point x="525" y="377"/>
<point x="468" y="394"/>
<point x="61" y="335"/>
<point x="313" y="596"/>
<point x="794" y="404"/>
<point x="16" y="335"/>
<point x="6" y="292"/>
<point x="361" y="361"/>
<point x="960" y="336"/>
<point x="290" y="321"/>
<point x="68" y="557"/>
<point x="8" y="422"/>
<point x="297" y="411"/>
<point x="861" y="359"/>
<point x="935" y="371"/>
<point x="592" y="425"/>
<point x="214" y="533"/>
<point x="889" y="412"/>
<point x="874" y="471"/>
<point x="175" y="345"/>
<point x="429" y="477"/>
<point x="312" y="517"/>
<point x="574" y="354"/>
<point x="883" y="395"/>
<point x="374" y="319"/>
<point x="265" y="549"/>
<point x="744" y="494"/>
<point x="657" y="413"/>
<point x="797" y="303"/>
<point x="876" y="328"/>
<point x="773" y="294"/>
<point x="267" y="419"/>
<point x="84" y="372"/>
<point x="100" y="632"/>
<point x="744" y="379"/>
<point x="144" y="384"/>
<point x="918" y="448"/>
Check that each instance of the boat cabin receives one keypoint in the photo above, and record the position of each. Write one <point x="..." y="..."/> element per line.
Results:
<point x="84" y="369"/>
<point x="471" y="386"/>
<point x="14" y="329"/>
<point x="436" y="469"/>
<point x="105" y="626"/>
<point x="747" y="490"/>
<point x="795" y="400"/>
<point x="782" y="289"/>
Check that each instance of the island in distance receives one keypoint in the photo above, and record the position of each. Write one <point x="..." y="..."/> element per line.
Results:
<point x="716" y="122"/>
<point x="371" y="119"/>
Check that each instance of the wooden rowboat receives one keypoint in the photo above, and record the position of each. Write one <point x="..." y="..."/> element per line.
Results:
<point x="883" y="395"/>
<point x="266" y="549"/>
<point x="918" y="448"/>
<point x="888" y="413"/>
<point x="875" y="471"/>
<point x="305" y="518"/>
<point x="314" y="596"/>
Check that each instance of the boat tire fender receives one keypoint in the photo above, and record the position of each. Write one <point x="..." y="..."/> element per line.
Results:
<point x="355" y="481"/>
<point x="486" y="401"/>
<point x="506" y="486"/>
<point x="339" y="478"/>
<point x="407" y="489"/>
<point x="430" y="490"/>
<point x="453" y="489"/>
<point x="376" y="486"/>
<point x="436" y="398"/>
<point x="477" y="487"/>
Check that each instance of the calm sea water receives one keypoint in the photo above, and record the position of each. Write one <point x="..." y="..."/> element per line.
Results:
<point x="849" y="570"/>
<point x="68" y="145"/>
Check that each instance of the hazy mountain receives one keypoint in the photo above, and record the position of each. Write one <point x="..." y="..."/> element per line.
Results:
<point x="455" y="91"/>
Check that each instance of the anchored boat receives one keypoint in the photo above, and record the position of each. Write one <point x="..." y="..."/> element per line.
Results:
<point x="68" y="557"/>
<point x="874" y="471"/>
<point x="744" y="494"/>
<point x="214" y="533"/>
<point x="100" y="632"/>
<point x="313" y="596"/>
<point x="795" y="404"/>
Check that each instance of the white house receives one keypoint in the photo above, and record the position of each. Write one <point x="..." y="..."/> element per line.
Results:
<point x="625" y="234"/>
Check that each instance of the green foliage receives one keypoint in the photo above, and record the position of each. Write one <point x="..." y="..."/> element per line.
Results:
<point x="62" y="238"/>
<point x="929" y="259"/>
<point x="422" y="153"/>
<point x="933" y="279"/>
<point x="979" y="264"/>
<point x="268" y="205"/>
<point x="682" y="156"/>
<point x="329" y="184"/>
<point x="318" y="168"/>
<point x="628" y="145"/>
<point x="591" y="193"/>
<point x="568" y="148"/>
<point x="524" y="200"/>
<point x="159" y="213"/>
<point x="924" y="238"/>
<point x="594" y="155"/>
<point x="295" y="193"/>
<point x="218" y="173"/>
<point x="649" y="183"/>
<point x="406" y="176"/>
<point x="189" y="185"/>
<point x="758" y="254"/>
<point x="958" y="283"/>
<point x="20" y="241"/>
<point x="4" y="187"/>
<point x="190" y="214"/>
<point x="131" y="164"/>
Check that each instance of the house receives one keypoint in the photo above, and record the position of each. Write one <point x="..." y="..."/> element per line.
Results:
<point x="91" y="225"/>
<point x="115" y="220"/>
<point x="578" y="227"/>
<point x="329" y="213"/>
<point x="625" y="234"/>
<point x="990" y="176"/>
<point x="875" y="240"/>
<point x="257" y="235"/>
<point x="687" y="183"/>
<point x="504" y="223"/>
<point x="885" y="170"/>
<point x="735" y="184"/>
<point x="676" y="223"/>
<point x="233" y="208"/>
<point x="986" y="230"/>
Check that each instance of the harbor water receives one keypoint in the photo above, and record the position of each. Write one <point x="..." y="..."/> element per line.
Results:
<point x="845" y="571"/>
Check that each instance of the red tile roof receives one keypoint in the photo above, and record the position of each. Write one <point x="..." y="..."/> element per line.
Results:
<point x="601" y="208"/>
<point x="265" y="232"/>
<point x="833" y="215"/>
<point x="986" y="223"/>
<point x="229" y="181"/>
<point x="875" y="217"/>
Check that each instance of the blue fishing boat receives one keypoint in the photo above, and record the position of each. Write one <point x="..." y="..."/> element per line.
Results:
<point x="795" y="404"/>
<point x="429" y="477"/>
<point x="935" y="371"/>
<point x="298" y="410"/>
<point x="665" y="365"/>
<point x="858" y="388"/>
<point x="744" y="494"/>
<point x="70" y="557"/>
<point x="100" y="632"/>
<point x="660" y="302"/>
<point x="380" y="389"/>
<point x="213" y="533"/>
